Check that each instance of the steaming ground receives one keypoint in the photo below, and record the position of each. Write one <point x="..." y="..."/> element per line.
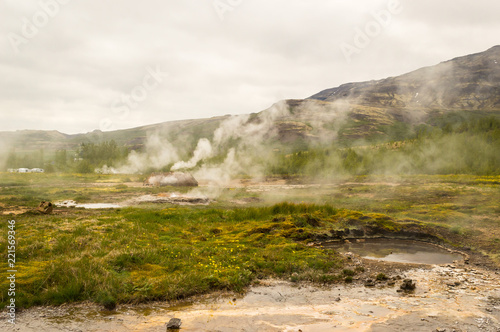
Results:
<point x="238" y="146"/>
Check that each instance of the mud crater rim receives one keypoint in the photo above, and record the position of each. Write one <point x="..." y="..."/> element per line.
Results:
<point x="397" y="250"/>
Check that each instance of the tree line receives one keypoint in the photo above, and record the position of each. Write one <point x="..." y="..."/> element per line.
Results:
<point x="85" y="159"/>
<point x="459" y="147"/>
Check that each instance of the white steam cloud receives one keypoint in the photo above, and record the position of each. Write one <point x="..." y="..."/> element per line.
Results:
<point x="239" y="143"/>
<point x="203" y="150"/>
<point x="158" y="153"/>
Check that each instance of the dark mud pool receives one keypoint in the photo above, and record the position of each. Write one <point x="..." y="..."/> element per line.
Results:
<point x="399" y="251"/>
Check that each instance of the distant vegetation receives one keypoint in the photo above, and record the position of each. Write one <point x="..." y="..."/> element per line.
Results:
<point x="450" y="146"/>
<point x="85" y="159"/>
<point x="91" y="156"/>
<point x="454" y="143"/>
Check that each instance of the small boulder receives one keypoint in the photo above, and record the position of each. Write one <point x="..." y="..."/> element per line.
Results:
<point x="369" y="283"/>
<point x="408" y="285"/>
<point x="174" y="324"/>
<point x="45" y="207"/>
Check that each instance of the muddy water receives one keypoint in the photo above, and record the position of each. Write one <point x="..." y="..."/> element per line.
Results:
<point x="400" y="251"/>
<point x="71" y="203"/>
<point x="447" y="297"/>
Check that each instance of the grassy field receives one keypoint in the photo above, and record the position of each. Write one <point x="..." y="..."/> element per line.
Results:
<point x="164" y="252"/>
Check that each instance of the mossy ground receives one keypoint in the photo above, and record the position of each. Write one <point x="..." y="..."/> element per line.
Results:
<point x="165" y="252"/>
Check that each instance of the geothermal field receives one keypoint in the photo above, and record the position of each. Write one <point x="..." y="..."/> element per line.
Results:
<point x="312" y="215"/>
<point x="250" y="166"/>
<point x="115" y="255"/>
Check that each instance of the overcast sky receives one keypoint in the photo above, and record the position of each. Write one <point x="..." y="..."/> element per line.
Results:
<point x="76" y="66"/>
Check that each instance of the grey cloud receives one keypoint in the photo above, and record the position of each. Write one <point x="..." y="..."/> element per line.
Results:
<point x="92" y="52"/>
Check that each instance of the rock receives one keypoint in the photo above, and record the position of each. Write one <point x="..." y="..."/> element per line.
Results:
<point x="45" y="207"/>
<point x="338" y="234"/>
<point x="369" y="283"/>
<point x="454" y="284"/>
<point x="174" y="324"/>
<point x="408" y="285"/>
<point x="358" y="232"/>
<point x="440" y="330"/>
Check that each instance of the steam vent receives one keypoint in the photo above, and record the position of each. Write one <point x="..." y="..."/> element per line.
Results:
<point x="176" y="179"/>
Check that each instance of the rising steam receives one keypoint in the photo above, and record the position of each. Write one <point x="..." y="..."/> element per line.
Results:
<point x="239" y="146"/>
<point x="203" y="150"/>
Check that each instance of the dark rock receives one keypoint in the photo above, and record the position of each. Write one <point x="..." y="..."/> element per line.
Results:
<point x="336" y="234"/>
<point x="369" y="283"/>
<point x="109" y="304"/>
<point x="454" y="284"/>
<point x="408" y="285"/>
<point x="174" y="324"/>
<point x="358" y="232"/>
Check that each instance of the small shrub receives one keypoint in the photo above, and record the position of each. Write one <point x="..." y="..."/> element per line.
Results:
<point x="456" y="230"/>
<point x="328" y="278"/>
<point x="108" y="302"/>
<point x="348" y="272"/>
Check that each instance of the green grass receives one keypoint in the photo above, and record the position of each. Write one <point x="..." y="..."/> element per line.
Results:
<point x="137" y="255"/>
<point x="165" y="252"/>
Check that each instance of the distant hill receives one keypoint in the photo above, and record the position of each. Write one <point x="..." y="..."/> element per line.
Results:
<point x="382" y="109"/>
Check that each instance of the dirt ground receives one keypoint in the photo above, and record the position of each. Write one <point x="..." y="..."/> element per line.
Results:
<point x="447" y="298"/>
